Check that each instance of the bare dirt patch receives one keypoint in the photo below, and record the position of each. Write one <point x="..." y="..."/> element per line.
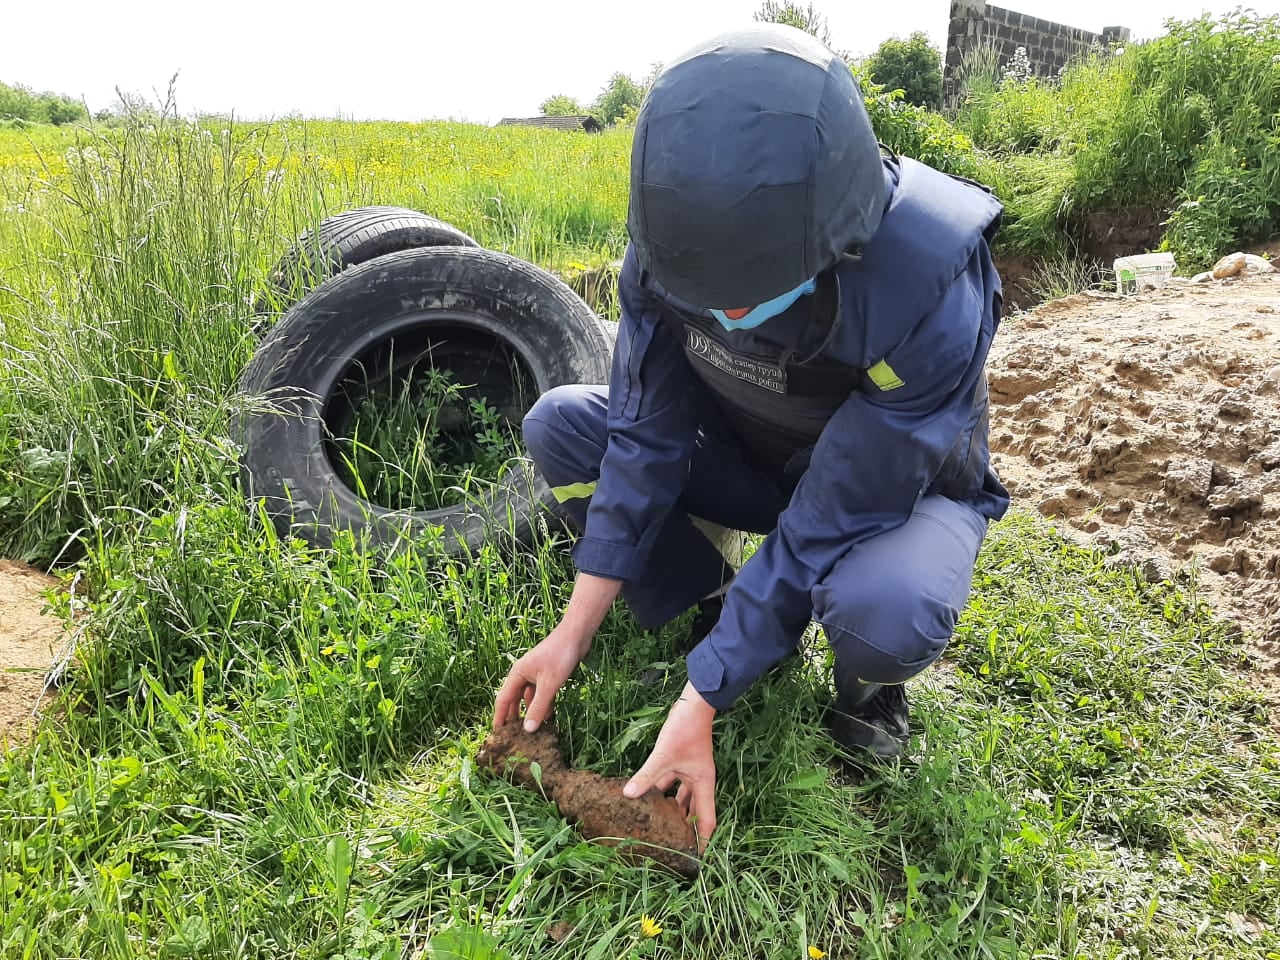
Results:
<point x="1120" y="231"/>
<point x="28" y="647"/>
<point x="1150" y="425"/>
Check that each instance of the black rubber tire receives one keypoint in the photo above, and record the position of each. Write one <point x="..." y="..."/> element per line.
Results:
<point x="419" y="295"/>
<point x="353" y="237"/>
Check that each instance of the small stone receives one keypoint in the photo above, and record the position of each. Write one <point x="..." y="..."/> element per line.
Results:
<point x="559" y="932"/>
<point x="1270" y="457"/>
<point x="1231" y="561"/>
<point x="1254" y="264"/>
<point x="1133" y="541"/>
<point x="1203" y="277"/>
<point x="1229" y="266"/>
<point x="1054" y="505"/>
<point x="1118" y="510"/>
<point x="1132" y="548"/>
<point x="1223" y="562"/>
<point x="1246" y="927"/>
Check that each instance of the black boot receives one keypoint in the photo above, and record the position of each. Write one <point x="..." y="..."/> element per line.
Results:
<point x="871" y="722"/>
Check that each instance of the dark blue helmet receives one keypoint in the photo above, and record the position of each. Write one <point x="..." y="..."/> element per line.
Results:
<point x="754" y="168"/>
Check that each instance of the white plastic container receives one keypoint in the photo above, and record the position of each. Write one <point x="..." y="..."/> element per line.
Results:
<point x="1142" y="271"/>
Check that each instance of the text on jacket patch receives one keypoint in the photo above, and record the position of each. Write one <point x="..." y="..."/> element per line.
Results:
<point x="766" y="375"/>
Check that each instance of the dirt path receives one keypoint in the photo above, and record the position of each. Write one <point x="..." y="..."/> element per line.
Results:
<point x="29" y="643"/>
<point x="1151" y="426"/>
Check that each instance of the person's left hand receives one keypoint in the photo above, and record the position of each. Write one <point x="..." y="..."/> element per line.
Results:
<point x="683" y="753"/>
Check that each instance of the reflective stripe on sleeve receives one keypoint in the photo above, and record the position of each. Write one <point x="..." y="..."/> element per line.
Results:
<point x="882" y="376"/>
<point x="573" y="491"/>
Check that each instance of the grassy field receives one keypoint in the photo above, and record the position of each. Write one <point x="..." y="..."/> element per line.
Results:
<point x="264" y="748"/>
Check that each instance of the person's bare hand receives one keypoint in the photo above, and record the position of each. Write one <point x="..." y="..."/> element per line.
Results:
<point x="537" y="677"/>
<point x="683" y="754"/>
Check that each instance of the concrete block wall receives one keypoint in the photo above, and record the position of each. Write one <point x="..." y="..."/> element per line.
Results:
<point x="1049" y="45"/>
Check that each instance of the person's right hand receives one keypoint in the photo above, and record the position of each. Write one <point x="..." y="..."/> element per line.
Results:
<point x="537" y="677"/>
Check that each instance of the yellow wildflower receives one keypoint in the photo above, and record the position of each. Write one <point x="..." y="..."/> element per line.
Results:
<point x="649" y="927"/>
<point x="815" y="953"/>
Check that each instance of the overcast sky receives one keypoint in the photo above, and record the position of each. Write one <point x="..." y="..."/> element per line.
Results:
<point x="475" y="60"/>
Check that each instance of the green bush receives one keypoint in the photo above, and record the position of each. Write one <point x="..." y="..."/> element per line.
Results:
<point x="916" y="132"/>
<point x="22" y="103"/>
<point x="562" y="105"/>
<point x="1015" y="113"/>
<point x="913" y="66"/>
<point x="1186" y="123"/>
<point x="1232" y="198"/>
<point x="1190" y="126"/>
<point x="1219" y="109"/>
<point x="1024" y="117"/>
<point x="1034" y="188"/>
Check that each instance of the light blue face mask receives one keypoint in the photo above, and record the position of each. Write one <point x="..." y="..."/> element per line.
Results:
<point x="770" y="308"/>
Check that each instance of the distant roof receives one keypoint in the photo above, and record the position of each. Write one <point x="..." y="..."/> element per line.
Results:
<point x="585" y="123"/>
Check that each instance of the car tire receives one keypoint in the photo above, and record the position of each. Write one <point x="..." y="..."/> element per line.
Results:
<point x="456" y="301"/>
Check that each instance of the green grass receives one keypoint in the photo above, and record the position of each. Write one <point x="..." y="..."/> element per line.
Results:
<point x="266" y="754"/>
<point x="262" y="750"/>
<point x="418" y="439"/>
<point x="129" y="280"/>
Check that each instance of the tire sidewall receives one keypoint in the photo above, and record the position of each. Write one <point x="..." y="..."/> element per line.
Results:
<point x="285" y="459"/>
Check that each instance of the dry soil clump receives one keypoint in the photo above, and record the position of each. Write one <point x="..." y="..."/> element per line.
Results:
<point x="593" y="802"/>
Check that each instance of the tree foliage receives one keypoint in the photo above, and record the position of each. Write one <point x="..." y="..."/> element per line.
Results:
<point x="619" y="100"/>
<point x="22" y="103"/>
<point x="562" y="105"/>
<point x="913" y="66"/>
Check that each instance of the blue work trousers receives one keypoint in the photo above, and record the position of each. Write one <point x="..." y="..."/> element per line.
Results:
<point x="889" y="605"/>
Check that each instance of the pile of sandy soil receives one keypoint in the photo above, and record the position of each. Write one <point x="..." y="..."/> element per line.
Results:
<point x="1150" y="425"/>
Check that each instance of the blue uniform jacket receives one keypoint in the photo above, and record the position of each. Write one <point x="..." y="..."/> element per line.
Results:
<point x="919" y="318"/>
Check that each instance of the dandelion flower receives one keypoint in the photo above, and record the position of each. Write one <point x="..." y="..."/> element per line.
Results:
<point x="649" y="927"/>
<point x="815" y="953"/>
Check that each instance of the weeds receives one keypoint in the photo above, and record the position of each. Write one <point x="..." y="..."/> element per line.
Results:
<point x="1064" y="276"/>
<point x="418" y="440"/>
<point x="1185" y="123"/>
<point x="282" y="770"/>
